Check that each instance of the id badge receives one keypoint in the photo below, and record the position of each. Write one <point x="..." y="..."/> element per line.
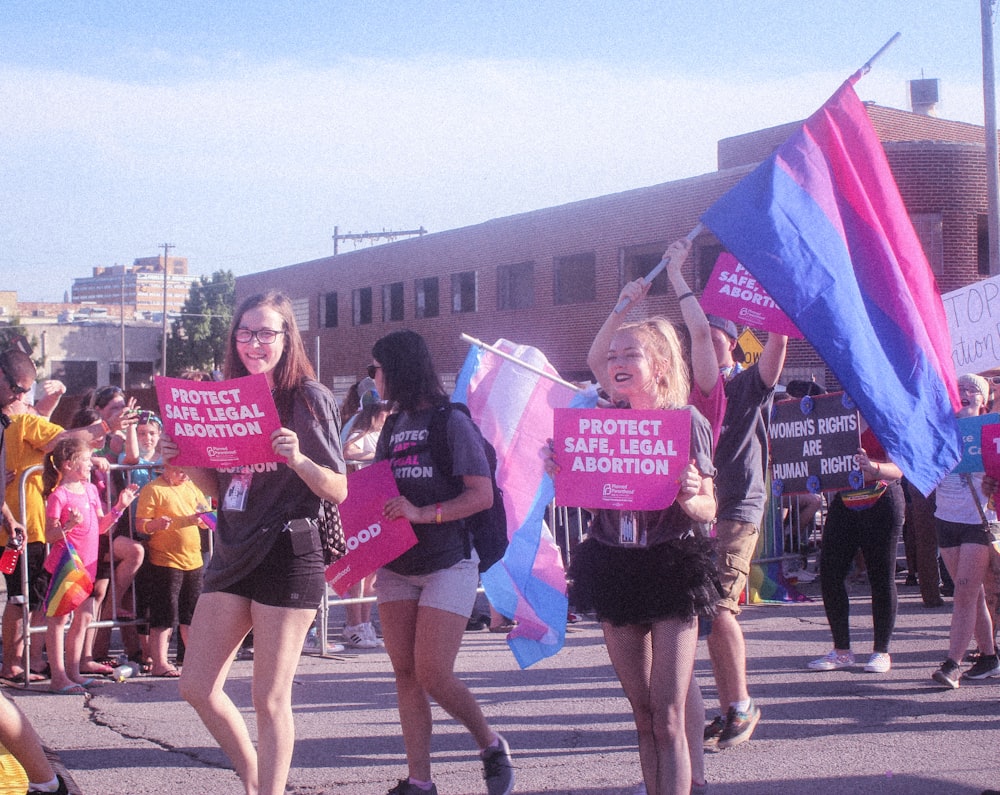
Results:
<point x="626" y="529"/>
<point x="236" y="494"/>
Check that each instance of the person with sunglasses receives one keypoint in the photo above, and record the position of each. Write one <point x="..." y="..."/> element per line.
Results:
<point x="267" y="570"/>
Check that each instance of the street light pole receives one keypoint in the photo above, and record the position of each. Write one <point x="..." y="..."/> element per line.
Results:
<point x="166" y="253"/>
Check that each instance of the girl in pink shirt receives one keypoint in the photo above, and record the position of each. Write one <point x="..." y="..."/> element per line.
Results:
<point x="73" y="513"/>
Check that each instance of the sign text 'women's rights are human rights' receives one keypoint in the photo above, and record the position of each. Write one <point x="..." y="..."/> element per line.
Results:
<point x="622" y="459"/>
<point x="219" y="423"/>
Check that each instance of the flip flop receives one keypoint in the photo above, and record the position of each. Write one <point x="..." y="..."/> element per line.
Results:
<point x="72" y="689"/>
<point x="170" y="673"/>
<point x="99" y="669"/>
<point x="18" y="679"/>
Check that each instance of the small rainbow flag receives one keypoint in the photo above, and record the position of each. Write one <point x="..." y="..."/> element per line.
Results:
<point x="210" y="518"/>
<point x="70" y="584"/>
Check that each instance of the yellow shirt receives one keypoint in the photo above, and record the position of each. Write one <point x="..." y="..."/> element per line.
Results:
<point x="25" y="442"/>
<point x="179" y="546"/>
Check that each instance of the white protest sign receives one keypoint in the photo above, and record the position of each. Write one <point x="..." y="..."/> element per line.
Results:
<point x="973" y="314"/>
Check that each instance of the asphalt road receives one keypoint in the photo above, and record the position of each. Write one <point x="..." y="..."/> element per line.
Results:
<point x="567" y="722"/>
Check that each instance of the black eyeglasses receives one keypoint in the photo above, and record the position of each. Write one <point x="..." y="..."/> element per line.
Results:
<point x="15" y="387"/>
<point x="372" y="369"/>
<point x="265" y="336"/>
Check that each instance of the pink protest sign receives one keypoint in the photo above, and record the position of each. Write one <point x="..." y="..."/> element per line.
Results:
<point x="991" y="449"/>
<point x="622" y="459"/>
<point x="219" y="423"/>
<point x="732" y="292"/>
<point x="372" y="540"/>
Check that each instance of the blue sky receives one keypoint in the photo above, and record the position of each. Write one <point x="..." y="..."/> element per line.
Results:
<point x="242" y="133"/>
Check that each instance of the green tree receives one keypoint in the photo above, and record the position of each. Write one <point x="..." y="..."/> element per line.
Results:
<point x="10" y="332"/>
<point x="198" y="337"/>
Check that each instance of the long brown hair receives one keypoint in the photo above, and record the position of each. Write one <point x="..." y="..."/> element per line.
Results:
<point x="65" y="450"/>
<point x="293" y="367"/>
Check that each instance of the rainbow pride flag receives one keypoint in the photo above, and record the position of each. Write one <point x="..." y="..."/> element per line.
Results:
<point x="210" y="518"/>
<point x="69" y="586"/>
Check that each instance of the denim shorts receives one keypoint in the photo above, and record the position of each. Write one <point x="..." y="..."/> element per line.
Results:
<point x="452" y="589"/>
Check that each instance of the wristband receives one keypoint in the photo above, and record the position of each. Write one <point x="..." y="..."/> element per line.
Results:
<point x="106" y="427"/>
<point x="437" y="514"/>
<point x="688" y="294"/>
<point x="117" y="512"/>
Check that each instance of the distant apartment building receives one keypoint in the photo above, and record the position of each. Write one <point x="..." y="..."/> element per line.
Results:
<point x="139" y="286"/>
<point x="548" y="278"/>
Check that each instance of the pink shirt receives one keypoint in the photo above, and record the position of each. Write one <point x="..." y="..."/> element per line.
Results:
<point x="85" y="536"/>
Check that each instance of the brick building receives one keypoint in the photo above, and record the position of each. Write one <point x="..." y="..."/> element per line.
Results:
<point x="548" y="278"/>
<point x="139" y="286"/>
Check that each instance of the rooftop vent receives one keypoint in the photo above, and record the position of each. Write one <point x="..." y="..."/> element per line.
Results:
<point x="924" y="96"/>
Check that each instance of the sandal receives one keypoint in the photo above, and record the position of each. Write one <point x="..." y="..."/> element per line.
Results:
<point x="145" y="663"/>
<point x="169" y="673"/>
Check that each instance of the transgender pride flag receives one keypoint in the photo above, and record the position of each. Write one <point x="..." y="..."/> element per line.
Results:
<point x="822" y="227"/>
<point x="513" y="408"/>
<point x="70" y="584"/>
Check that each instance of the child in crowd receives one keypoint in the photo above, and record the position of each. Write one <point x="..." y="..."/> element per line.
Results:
<point x="73" y="514"/>
<point x="169" y="511"/>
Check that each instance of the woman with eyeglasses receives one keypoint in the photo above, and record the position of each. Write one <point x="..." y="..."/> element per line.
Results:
<point x="265" y="574"/>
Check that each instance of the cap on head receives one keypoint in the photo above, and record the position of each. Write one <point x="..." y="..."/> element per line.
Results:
<point x="977" y="382"/>
<point x="725" y="326"/>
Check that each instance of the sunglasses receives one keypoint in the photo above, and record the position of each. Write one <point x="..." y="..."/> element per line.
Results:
<point x="372" y="369"/>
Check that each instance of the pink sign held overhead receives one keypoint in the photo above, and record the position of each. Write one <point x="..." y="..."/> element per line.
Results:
<point x="372" y="540"/>
<point x="732" y="292"/>
<point x="219" y="423"/>
<point x="622" y="459"/>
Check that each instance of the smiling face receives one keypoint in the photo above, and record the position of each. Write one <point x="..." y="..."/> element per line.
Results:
<point x="78" y="467"/>
<point x="256" y="356"/>
<point x="629" y="370"/>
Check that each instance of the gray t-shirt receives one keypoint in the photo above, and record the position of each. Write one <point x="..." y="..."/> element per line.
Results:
<point x="741" y="455"/>
<point x="244" y="538"/>
<point x="408" y="448"/>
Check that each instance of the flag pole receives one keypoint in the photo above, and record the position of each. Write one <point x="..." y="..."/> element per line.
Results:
<point x="662" y="264"/>
<point x="868" y="64"/>
<point x="525" y="365"/>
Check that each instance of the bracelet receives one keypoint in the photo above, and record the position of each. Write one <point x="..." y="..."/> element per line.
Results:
<point x="106" y="427"/>
<point x="117" y="512"/>
<point x="688" y="294"/>
<point x="437" y="514"/>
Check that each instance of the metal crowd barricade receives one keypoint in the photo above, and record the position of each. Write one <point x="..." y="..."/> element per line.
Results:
<point x="112" y="594"/>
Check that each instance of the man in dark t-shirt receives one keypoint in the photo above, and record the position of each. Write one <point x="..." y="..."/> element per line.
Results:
<point x="741" y="491"/>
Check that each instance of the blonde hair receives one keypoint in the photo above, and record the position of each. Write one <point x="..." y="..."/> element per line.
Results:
<point x="662" y="347"/>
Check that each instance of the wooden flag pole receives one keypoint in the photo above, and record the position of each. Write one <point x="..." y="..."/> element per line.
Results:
<point x="525" y="365"/>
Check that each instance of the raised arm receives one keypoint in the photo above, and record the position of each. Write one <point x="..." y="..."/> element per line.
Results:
<point x="704" y="364"/>
<point x="772" y="358"/>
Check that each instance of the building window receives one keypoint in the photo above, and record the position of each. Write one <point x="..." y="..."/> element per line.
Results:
<point x="929" y="228"/>
<point x="983" y="245"/>
<point x="575" y="279"/>
<point x="426" y="297"/>
<point x="392" y="302"/>
<point x="516" y="286"/>
<point x="300" y="308"/>
<point x="640" y="260"/>
<point x="705" y="258"/>
<point x="328" y="310"/>
<point x="463" y="292"/>
<point x="362" y="302"/>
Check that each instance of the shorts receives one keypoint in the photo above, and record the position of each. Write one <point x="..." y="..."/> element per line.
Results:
<point x="637" y="585"/>
<point x="38" y="578"/>
<point x="284" y="579"/>
<point x="954" y="534"/>
<point x="736" y="543"/>
<point x="174" y="593"/>
<point x="452" y="590"/>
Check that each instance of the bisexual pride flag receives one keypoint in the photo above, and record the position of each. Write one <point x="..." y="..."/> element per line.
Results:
<point x="70" y="584"/>
<point x="513" y="407"/>
<point x="822" y="227"/>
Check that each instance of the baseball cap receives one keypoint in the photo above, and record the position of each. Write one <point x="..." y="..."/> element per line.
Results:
<point x="726" y="326"/>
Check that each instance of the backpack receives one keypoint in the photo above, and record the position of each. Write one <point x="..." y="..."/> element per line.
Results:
<point x="487" y="530"/>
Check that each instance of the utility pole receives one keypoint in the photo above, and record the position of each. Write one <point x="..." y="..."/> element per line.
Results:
<point x="990" y="113"/>
<point x="387" y="235"/>
<point x="166" y="253"/>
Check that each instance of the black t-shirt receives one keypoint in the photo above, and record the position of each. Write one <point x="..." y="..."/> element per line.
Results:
<point x="418" y="479"/>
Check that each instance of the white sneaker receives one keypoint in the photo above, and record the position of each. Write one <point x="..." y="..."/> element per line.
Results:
<point x="833" y="661"/>
<point x="372" y="636"/>
<point x="879" y="663"/>
<point x="356" y="637"/>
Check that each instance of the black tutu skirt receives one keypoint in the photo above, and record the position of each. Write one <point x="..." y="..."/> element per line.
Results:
<point x="639" y="585"/>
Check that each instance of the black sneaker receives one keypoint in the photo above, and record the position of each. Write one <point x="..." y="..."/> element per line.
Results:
<point x="62" y="790"/>
<point x="404" y="787"/>
<point x="498" y="770"/>
<point x="948" y="674"/>
<point x="739" y="726"/>
<point x="713" y="731"/>
<point x="986" y="666"/>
